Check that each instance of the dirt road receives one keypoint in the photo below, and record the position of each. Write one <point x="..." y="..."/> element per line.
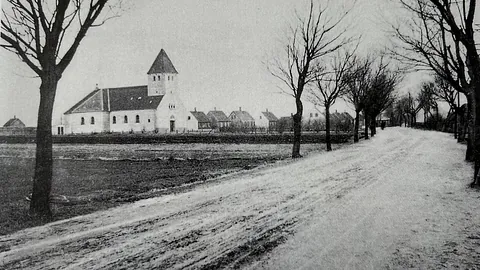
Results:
<point x="398" y="201"/>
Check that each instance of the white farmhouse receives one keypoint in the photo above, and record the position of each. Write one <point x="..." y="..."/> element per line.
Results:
<point x="145" y="108"/>
<point x="266" y="121"/>
<point x="197" y="120"/>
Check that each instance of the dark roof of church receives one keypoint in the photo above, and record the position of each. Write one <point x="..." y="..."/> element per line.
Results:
<point x="14" y="122"/>
<point x="132" y="98"/>
<point x="122" y="99"/>
<point x="162" y="64"/>
<point x="200" y="116"/>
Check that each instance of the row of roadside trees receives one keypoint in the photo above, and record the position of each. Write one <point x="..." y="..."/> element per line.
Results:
<point x="321" y="60"/>
<point x="439" y="36"/>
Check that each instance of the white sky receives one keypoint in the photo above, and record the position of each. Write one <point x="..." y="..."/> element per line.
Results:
<point x="219" y="48"/>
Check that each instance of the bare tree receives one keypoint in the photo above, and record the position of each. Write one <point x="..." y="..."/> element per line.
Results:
<point x="330" y="84"/>
<point x="400" y="109"/>
<point x="445" y="92"/>
<point x="442" y="33"/>
<point x="358" y="80"/>
<point x="312" y="38"/>
<point x="427" y="100"/>
<point x="380" y="93"/>
<point x="45" y="35"/>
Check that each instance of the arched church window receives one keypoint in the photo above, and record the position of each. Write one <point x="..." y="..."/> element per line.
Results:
<point x="82" y="121"/>
<point x="114" y="120"/>
<point x="125" y="119"/>
<point x="154" y="77"/>
<point x="92" y="120"/>
<point x="137" y="118"/>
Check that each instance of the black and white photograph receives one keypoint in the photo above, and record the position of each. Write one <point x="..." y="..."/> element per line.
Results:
<point x="239" y="134"/>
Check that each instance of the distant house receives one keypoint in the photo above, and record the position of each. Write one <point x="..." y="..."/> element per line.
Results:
<point x="152" y="107"/>
<point x="218" y="119"/>
<point x="341" y="121"/>
<point x="313" y="121"/>
<point x="197" y="120"/>
<point x="285" y="124"/>
<point x="15" y="126"/>
<point x="241" y="119"/>
<point x="383" y="118"/>
<point x="14" y="123"/>
<point x="266" y="120"/>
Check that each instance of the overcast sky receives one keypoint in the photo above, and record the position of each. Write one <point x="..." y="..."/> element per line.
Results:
<point x="219" y="48"/>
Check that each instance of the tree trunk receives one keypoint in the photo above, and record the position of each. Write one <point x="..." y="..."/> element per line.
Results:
<point x="455" y="124"/>
<point x="373" y="127"/>
<point x="471" y="127"/>
<point x="297" y="129"/>
<point x="42" y="180"/>
<point x="356" y="126"/>
<point x="366" y="126"/>
<point x="327" y="128"/>
<point x="476" y="136"/>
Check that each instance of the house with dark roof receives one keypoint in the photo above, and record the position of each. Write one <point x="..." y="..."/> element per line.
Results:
<point x="241" y="119"/>
<point x="341" y="121"/>
<point x="266" y="121"/>
<point x="14" y="123"/>
<point x="218" y="119"/>
<point x="197" y="120"/>
<point x="144" y="108"/>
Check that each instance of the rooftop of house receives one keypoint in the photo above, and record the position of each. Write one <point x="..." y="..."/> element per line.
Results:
<point x="162" y="64"/>
<point x="200" y="116"/>
<point x="270" y="116"/>
<point x="242" y="115"/>
<point x="14" y="122"/>
<point x="219" y="116"/>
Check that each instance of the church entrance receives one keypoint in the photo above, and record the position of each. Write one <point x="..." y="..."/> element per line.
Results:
<point x="172" y="125"/>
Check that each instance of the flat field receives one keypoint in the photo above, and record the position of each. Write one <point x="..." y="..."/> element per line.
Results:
<point x="96" y="177"/>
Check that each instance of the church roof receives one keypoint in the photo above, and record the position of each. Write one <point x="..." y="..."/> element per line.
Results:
<point x="14" y="122"/>
<point x="132" y="98"/>
<point x="162" y="64"/>
<point x="117" y="99"/>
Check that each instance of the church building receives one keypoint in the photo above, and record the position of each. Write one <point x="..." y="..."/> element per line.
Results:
<point x="154" y="107"/>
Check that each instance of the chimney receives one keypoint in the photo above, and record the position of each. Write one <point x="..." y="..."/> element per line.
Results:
<point x="215" y="108"/>
<point x="240" y="108"/>
<point x="267" y="110"/>
<point x="195" y="109"/>
<point x="96" y="86"/>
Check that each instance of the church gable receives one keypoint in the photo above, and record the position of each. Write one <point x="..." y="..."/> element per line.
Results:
<point x="93" y="102"/>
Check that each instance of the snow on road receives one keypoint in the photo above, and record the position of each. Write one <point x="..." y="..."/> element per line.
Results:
<point x="397" y="201"/>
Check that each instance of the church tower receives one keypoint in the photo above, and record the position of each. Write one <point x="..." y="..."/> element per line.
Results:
<point x="162" y="76"/>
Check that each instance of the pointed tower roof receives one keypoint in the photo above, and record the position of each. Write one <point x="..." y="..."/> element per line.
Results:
<point x="162" y="64"/>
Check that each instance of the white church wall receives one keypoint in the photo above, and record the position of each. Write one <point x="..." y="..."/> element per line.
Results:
<point x="145" y="123"/>
<point x="76" y="125"/>
<point x="171" y="109"/>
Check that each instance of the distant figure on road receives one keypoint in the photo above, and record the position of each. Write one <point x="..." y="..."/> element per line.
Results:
<point x="383" y="125"/>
